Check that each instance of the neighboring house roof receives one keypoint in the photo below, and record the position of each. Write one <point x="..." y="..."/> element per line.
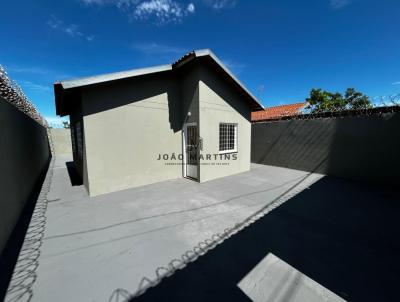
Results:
<point x="278" y="112"/>
<point x="74" y="84"/>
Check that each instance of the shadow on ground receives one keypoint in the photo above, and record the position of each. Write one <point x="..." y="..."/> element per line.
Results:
<point x="9" y="256"/>
<point x="73" y="174"/>
<point x="342" y="234"/>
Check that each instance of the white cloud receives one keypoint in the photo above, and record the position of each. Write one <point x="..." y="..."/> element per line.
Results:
<point x="33" y="70"/>
<point x="396" y="83"/>
<point x="73" y="30"/>
<point x="338" y="4"/>
<point x="69" y="29"/>
<point x="98" y="2"/>
<point x="33" y="86"/>
<point x="54" y="22"/>
<point x="156" y="48"/>
<point x="37" y="71"/>
<point x="221" y="4"/>
<point x="191" y="8"/>
<point x="118" y="3"/>
<point x="164" y="11"/>
<point x="158" y="11"/>
<point x="236" y="67"/>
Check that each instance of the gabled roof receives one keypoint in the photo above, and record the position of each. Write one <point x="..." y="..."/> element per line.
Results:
<point x="102" y="78"/>
<point x="67" y="86"/>
<point x="277" y="112"/>
<point x="207" y="52"/>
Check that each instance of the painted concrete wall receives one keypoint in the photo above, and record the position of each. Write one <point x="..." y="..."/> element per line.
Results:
<point x="189" y="85"/>
<point x="61" y="141"/>
<point x="24" y="155"/>
<point x="220" y="103"/>
<point x="363" y="148"/>
<point x="127" y="126"/>
<point x="130" y="124"/>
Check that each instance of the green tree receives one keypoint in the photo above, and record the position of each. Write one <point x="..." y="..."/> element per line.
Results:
<point x="321" y="100"/>
<point x="357" y="100"/>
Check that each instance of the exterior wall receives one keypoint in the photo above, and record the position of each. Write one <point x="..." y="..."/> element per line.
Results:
<point x="24" y="157"/>
<point x="128" y="124"/>
<point x="220" y="103"/>
<point x="61" y="141"/>
<point x="362" y="148"/>
<point x="189" y="83"/>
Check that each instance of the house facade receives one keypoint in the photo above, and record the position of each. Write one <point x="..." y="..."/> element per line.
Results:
<point x="188" y="119"/>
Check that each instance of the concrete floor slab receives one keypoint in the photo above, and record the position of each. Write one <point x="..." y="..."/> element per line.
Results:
<point x="275" y="280"/>
<point x="93" y="246"/>
<point x="339" y="233"/>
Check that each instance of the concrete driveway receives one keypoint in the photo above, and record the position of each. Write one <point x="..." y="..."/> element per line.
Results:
<point x="94" y="246"/>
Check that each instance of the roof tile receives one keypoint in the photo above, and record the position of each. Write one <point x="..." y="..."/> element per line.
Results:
<point x="277" y="112"/>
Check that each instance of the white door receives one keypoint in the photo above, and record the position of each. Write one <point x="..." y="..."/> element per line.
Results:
<point x="190" y="149"/>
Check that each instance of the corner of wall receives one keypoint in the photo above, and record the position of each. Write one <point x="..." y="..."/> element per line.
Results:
<point x="85" y="172"/>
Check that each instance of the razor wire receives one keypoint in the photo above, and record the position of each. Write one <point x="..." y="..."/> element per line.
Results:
<point x="379" y="106"/>
<point x="12" y="93"/>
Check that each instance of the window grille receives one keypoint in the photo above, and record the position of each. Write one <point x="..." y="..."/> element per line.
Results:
<point x="73" y="139"/>
<point x="227" y="137"/>
<point x="79" y="142"/>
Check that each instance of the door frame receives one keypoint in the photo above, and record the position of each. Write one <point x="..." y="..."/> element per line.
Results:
<point x="184" y="138"/>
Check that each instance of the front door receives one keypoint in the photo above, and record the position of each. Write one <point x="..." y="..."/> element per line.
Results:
<point x="191" y="145"/>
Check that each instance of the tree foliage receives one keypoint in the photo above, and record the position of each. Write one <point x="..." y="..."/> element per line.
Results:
<point x="321" y="100"/>
<point x="66" y="125"/>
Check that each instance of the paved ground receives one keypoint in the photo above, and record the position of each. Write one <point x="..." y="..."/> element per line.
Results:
<point x="343" y="235"/>
<point x="272" y="279"/>
<point x="93" y="246"/>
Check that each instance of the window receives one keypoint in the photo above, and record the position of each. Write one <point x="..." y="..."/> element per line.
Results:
<point x="79" y="142"/>
<point x="73" y="138"/>
<point x="227" y="138"/>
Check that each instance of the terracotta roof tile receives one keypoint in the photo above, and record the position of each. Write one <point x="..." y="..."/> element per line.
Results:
<point x="277" y="112"/>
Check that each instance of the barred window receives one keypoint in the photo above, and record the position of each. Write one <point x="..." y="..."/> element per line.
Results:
<point x="227" y="137"/>
<point x="72" y="129"/>
<point x="79" y="141"/>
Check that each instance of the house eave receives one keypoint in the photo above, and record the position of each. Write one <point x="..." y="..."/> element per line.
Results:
<point x="62" y="88"/>
<point x="255" y="103"/>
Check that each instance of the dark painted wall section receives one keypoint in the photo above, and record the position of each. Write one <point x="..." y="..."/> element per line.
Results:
<point x="363" y="148"/>
<point x="24" y="154"/>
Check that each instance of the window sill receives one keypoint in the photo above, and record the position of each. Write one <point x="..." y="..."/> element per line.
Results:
<point x="228" y="151"/>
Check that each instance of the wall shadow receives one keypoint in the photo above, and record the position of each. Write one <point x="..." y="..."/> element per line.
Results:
<point x="9" y="255"/>
<point x="366" y="148"/>
<point x="188" y="80"/>
<point x="110" y="95"/>
<point x="295" y="144"/>
<point x="74" y="177"/>
<point x="342" y="234"/>
<point x="225" y="88"/>
<point x="361" y="148"/>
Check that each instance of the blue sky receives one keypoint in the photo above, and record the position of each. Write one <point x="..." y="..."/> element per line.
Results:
<point x="279" y="49"/>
